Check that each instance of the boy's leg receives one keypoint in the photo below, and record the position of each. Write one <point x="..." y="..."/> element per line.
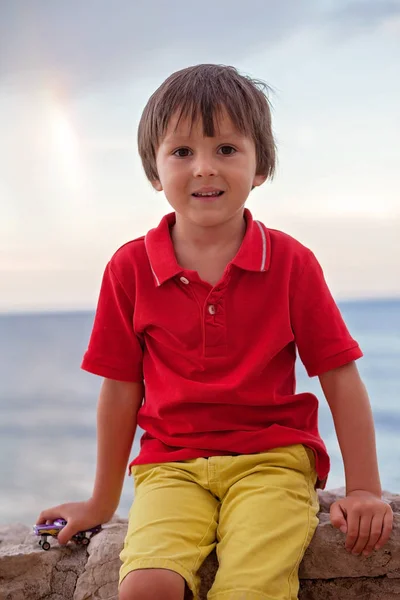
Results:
<point x="172" y="522"/>
<point x="152" y="584"/>
<point x="268" y="517"/>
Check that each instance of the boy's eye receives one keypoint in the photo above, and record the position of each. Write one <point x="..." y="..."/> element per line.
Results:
<point x="182" y="152"/>
<point x="227" y="150"/>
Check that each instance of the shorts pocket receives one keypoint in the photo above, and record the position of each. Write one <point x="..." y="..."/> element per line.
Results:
<point x="310" y="457"/>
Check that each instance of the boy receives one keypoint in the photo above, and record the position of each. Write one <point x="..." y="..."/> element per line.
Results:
<point x="207" y="310"/>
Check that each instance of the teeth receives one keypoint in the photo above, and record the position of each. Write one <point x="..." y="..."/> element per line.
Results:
<point x="207" y="194"/>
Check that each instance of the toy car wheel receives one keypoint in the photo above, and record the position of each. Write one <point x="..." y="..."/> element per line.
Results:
<point x="45" y="545"/>
<point x="85" y="541"/>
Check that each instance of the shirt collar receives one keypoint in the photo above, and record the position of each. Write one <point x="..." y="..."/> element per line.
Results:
<point x="254" y="253"/>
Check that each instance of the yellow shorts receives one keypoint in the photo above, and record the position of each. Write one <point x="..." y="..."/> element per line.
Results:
<point x="259" y="510"/>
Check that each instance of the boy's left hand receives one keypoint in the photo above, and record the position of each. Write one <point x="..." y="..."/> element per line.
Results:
<point x="365" y="518"/>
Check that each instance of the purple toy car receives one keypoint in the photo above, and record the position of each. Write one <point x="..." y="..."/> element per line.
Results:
<point x="53" y="530"/>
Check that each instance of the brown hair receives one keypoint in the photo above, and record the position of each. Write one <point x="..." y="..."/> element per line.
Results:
<point x="205" y="90"/>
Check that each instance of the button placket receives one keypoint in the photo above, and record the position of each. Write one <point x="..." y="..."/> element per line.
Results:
<point x="215" y="334"/>
<point x="214" y="305"/>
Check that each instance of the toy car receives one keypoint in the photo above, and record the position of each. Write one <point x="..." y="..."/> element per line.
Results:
<point x="53" y="529"/>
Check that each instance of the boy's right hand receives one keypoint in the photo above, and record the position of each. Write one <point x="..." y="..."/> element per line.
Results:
<point x="80" y="516"/>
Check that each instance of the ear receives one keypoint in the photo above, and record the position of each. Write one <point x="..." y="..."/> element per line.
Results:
<point x="156" y="183"/>
<point x="259" y="180"/>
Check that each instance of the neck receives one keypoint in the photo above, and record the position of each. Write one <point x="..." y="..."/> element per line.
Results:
<point x="228" y="234"/>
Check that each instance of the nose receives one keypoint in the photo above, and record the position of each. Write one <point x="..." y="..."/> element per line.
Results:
<point x="204" y="166"/>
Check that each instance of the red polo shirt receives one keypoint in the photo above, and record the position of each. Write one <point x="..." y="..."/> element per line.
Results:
<point x="219" y="362"/>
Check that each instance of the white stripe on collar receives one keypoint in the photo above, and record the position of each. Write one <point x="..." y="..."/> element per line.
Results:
<point x="151" y="266"/>
<point x="264" y="250"/>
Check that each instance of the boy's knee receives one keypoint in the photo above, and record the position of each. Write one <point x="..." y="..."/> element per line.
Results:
<point x="152" y="584"/>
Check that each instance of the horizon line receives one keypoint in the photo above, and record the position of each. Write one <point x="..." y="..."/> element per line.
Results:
<point x="70" y="311"/>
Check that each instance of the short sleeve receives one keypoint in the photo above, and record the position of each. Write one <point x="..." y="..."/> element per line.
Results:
<point x="114" y="350"/>
<point x="321" y="335"/>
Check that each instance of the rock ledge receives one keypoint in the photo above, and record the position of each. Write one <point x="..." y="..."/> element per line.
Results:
<point x="327" y="572"/>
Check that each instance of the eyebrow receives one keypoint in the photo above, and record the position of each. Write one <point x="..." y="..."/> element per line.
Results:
<point x="172" y="137"/>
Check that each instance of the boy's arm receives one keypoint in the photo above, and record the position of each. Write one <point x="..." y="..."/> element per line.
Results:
<point x="352" y="416"/>
<point x="117" y="410"/>
<point x="362" y="514"/>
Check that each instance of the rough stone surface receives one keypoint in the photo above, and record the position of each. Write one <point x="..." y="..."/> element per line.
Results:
<point x="327" y="572"/>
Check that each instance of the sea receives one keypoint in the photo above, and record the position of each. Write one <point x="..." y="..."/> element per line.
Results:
<point x="48" y="406"/>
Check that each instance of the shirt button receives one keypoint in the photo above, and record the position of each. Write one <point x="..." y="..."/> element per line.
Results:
<point x="211" y="309"/>
<point x="184" y="280"/>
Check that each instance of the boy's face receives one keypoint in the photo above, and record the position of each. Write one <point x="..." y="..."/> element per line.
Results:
<point x="190" y="164"/>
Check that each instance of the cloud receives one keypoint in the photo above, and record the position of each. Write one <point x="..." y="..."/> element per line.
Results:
<point x="82" y="44"/>
<point x="364" y="14"/>
<point x="77" y="46"/>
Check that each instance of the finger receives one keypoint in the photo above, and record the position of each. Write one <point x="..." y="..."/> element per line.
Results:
<point x="387" y="528"/>
<point x="364" y="533"/>
<point x="375" y="533"/>
<point x="338" y="518"/>
<point x="353" y="527"/>
<point x="66" y="533"/>
<point x="50" y="514"/>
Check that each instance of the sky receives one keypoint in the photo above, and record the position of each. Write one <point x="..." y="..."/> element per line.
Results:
<point x="75" y="77"/>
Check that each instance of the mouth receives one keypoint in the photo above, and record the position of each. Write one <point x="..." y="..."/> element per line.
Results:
<point x="213" y="194"/>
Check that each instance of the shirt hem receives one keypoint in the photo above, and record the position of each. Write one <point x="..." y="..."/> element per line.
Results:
<point x="109" y="372"/>
<point x="337" y="360"/>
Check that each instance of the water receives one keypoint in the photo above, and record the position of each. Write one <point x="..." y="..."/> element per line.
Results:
<point x="48" y="406"/>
